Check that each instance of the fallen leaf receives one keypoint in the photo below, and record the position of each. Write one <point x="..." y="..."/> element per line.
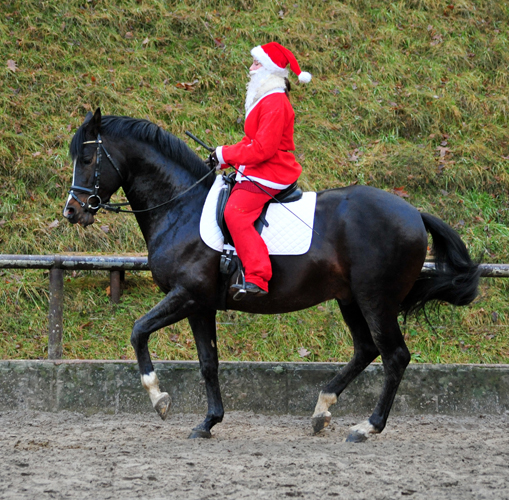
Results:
<point x="443" y="151"/>
<point x="12" y="65"/>
<point x="400" y="191"/>
<point x="219" y="43"/>
<point x="187" y="86"/>
<point x="303" y="352"/>
<point x="105" y="229"/>
<point x="145" y="41"/>
<point x="53" y="224"/>
<point x="129" y="35"/>
<point x="37" y="153"/>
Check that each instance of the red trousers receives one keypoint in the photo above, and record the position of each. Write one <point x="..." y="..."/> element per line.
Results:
<point x="240" y="213"/>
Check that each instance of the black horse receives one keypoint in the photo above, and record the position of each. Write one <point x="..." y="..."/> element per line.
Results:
<point x="368" y="255"/>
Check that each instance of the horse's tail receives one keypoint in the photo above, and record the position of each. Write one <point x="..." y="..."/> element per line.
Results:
<point x="455" y="277"/>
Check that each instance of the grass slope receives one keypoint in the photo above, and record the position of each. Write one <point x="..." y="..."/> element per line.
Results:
<point x="408" y="96"/>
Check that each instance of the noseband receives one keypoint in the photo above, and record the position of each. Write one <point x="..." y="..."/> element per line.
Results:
<point x="94" y="202"/>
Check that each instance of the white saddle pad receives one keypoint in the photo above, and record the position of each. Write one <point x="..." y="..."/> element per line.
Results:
<point x="286" y="234"/>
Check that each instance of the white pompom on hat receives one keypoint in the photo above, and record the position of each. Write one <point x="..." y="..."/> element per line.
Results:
<point x="274" y="57"/>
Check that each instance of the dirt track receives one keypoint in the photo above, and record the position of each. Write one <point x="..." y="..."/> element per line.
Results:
<point x="66" y="455"/>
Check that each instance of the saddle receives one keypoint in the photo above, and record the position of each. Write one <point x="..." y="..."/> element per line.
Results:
<point x="291" y="193"/>
<point x="230" y="263"/>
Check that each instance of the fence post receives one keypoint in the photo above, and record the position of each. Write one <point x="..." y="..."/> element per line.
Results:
<point x="115" y="290"/>
<point x="56" y="312"/>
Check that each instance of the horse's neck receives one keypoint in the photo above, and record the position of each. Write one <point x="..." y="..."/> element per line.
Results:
<point x="153" y="184"/>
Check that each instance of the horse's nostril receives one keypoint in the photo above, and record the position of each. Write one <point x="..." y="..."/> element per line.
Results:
<point x="69" y="212"/>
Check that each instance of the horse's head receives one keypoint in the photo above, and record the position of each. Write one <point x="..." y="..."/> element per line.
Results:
<point x="96" y="175"/>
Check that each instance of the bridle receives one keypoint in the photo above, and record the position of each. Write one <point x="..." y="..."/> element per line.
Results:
<point x="94" y="202"/>
<point x="94" y="193"/>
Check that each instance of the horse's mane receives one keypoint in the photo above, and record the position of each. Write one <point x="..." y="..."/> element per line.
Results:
<point x="121" y="127"/>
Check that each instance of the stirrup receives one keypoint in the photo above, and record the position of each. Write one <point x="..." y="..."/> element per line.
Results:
<point x="241" y="287"/>
<point x="249" y="288"/>
<point x="242" y="292"/>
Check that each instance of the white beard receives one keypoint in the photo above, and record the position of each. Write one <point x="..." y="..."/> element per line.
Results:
<point x="261" y="81"/>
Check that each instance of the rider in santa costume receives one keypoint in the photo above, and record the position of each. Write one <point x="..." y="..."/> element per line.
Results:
<point x="264" y="155"/>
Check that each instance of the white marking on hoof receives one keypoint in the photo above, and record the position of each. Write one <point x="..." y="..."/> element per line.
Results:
<point x="151" y="384"/>
<point x="324" y="401"/>
<point x="364" y="428"/>
<point x="162" y="405"/>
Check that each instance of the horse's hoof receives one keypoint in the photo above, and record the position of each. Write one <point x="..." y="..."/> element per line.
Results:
<point x="320" y="421"/>
<point x="162" y="405"/>
<point x="200" y="434"/>
<point x="356" y="437"/>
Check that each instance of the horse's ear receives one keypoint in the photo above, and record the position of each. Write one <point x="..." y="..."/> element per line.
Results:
<point x="93" y="122"/>
<point x="96" y="120"/>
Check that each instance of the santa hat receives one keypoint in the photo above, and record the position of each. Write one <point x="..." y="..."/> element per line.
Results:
<point x="274" y="57"/>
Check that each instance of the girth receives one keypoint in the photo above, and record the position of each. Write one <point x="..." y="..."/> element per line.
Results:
<point x="291" y="193"/>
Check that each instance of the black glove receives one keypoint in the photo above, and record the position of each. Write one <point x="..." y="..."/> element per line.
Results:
<point x="212" y="162"/>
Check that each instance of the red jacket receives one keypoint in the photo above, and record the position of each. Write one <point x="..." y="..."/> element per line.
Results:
<point x="264" y="153"/>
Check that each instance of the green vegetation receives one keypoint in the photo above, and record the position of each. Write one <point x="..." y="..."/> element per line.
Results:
<point x="408" y="96"/>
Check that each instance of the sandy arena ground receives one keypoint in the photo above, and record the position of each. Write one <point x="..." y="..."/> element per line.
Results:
<point x="67" y="455"/>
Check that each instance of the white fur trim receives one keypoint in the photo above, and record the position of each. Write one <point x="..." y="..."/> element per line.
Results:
<point x="219" y="154"/>
<point x="259" y="54"/>
<point x="275" y="91"/>
<point x="263" y="182"/>
<point x="305" y="77"/>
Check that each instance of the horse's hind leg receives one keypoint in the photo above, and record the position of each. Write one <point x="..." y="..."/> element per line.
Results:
<point x="204" y="330"/>
<point x="395" y="357"/>
<point x="365" y="351"/>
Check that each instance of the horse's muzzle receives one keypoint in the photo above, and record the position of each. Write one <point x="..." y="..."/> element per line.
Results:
<point x="76" y="215"/>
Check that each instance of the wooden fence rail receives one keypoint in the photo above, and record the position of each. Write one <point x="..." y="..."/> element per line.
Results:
<point x="57" y="264"/>
<point x="117" y="265"/>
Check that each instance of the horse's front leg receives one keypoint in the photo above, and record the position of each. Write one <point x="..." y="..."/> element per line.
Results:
<point x="174" y="307"/>
<point x="204" y="330"/>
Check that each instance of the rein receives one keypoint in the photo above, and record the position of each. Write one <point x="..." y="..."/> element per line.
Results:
<point x="115" y="207"/>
